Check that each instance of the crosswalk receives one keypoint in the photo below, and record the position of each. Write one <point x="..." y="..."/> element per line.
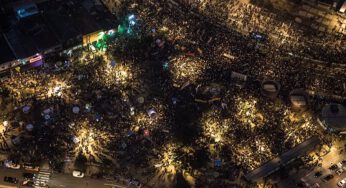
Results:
<point x="3" y="142"/>
<point x="42" y="178"/>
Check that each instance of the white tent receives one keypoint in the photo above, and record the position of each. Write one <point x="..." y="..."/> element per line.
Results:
<point x="298" y="100"/>
<point x="140" y="100"/>
<point x="47" y="111"/>
<point x="151" y="112"/>
<point x="75" y="109"/>
<point x="26" y="109"/>
<point x="47" y="117"/>
<point x="29" y="127"/>
<point x="238" y="79"/>
<point x="75" y="139"/>
<point x="269" y="87"/>
<point x="5" y="123"/>
<point x="238" y="76"/>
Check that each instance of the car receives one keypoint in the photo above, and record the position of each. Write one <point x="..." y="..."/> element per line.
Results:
<point x="30" y="167"/>
<point x="302" y="184"/>
<point x="343" y="162"/>
<point x="108" y="177"/>
<point x="28" y="175"/>
<point x="77" y="174"/>
<point x="134" y="182"/>
<point x="339" y="164"/>
<point x="327" y="177"/>
<point x="339" y="172"/>
<point x="10" y="180"/>
<point x="318" y="174"/>
<point x="341" y="183"/>
<point x="10" y="164"/>
<point x="28" y="183"/>
<point x="333" y="167"/>
<point x="315" y="185"/>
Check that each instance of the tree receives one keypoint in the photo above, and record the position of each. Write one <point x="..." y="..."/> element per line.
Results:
<point x="80" y="162"/>
<point x="181" y="181"/>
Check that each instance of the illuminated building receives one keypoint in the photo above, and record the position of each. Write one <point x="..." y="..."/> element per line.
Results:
<point x="48" y="27"/>
<point x="284" y="159"/>
<point x="334" y="118"/>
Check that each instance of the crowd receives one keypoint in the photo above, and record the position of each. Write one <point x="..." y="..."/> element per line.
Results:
<point x="138" y="116"/>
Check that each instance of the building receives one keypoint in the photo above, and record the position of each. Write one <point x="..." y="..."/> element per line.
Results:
<point x="284" y="159"/>
<point x="299" y="99"/>
<point x="341" y="6"/>
<point x="270" y="88"/>
<point x="44" y="27"/>
<point x="333" y="118"/>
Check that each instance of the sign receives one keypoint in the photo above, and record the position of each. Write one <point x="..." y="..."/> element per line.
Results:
<point x="35" y="58"/>
<point x="92" y="37"/>
<point x="146" y="132"/>
<point x="217" y="163"/>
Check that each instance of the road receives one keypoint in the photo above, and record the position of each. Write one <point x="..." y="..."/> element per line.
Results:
<point x="58" y="180"/>
<point x="307" y="176"/>
<point x="9" y="172"/>
<point x="66" y="180"/>
<point x="333" y="157"/>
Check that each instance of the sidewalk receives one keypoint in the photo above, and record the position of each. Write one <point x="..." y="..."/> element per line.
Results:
<point x="317" y="17"/>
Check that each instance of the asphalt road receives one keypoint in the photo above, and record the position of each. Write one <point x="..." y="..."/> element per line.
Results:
<point x="57" y="181"/>
<point x="66" y="180"/>
<point x="309" y="178"/>
<point x="12" y="173"/>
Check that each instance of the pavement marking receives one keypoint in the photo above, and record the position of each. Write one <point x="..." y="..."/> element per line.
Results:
<point x="114" y="185"/>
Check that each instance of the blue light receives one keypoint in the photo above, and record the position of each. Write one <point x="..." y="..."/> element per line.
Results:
<point x="165" y="66"/>
<point x="131" y="17"/>
<point x="132" y="22"/>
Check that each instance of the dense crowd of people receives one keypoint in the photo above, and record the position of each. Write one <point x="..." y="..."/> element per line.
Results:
<point x="138" y="114"/>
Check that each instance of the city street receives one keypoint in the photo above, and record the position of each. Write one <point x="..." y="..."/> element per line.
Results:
<point x="11" y="173"/>
<point x="67" y="180"/>
<point x="58" y="180"/>
<point x="307" y="176"/>
<point x="333" y="157"/>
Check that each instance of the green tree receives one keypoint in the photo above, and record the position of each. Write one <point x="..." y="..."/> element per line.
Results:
<point x="80" y="162"/>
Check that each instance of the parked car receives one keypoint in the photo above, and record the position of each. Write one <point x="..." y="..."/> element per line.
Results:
<point x="333" y="167"/>
<point x="318" y="174"/>
<point x="343" y="162"/>
<point x="300" y="184"/>
<point x="327" y="177"/>
<point x="341" y="183"/>
<point x="77" y="174"/>
<point x="315" y="185"/>
<point x="10" y="164"/>
<point x="340" y="171"/>
<point x="28" y="183"/>
<point x="10" y="180"/>
<point x="30" y="167"/>
<point x="28" y="175"/>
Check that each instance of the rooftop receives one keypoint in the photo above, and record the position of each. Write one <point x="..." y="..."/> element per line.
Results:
<point x="57" y="23"/>
<point x="334" y="116"/>
<point x="274" y="164"/>
<point x="29" y="36"/>
<point x="5" y="51"/>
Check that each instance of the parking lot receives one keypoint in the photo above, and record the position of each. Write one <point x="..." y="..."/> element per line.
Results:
<point x="313" y="177"/>
<point x="332" y="158"/>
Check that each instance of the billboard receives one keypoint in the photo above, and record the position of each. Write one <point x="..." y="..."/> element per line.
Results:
<point x="92" y="37"/>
